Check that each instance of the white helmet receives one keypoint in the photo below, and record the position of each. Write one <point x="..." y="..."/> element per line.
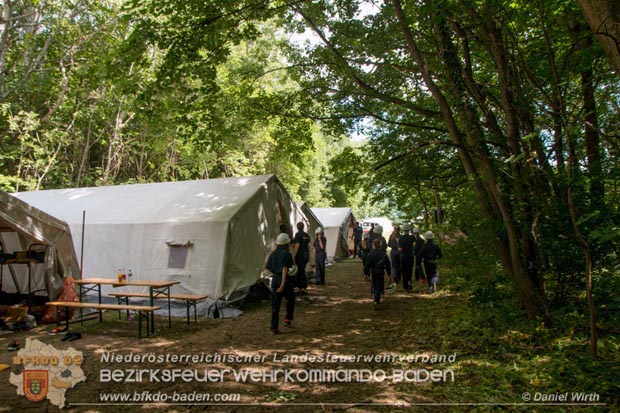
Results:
<point x="378" y="229"/>
<point x="390" y="288"/>
<point x="283" y="239"/>
<point x="293" y="270"/>
<point x="406" y="227"/>
<point x="319" y="229"/>
<point x="429" y="235"/>
<point x="416" y="230"/>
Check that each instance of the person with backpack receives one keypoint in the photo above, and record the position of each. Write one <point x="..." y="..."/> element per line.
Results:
<point x="377" y="265"/>
<point x="279" y="263"/>
<point x="429" y="254"/>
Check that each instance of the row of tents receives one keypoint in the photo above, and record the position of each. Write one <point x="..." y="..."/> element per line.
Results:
<point x="211" y="235"/>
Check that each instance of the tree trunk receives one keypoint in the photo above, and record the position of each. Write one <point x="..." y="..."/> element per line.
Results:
<point x="603" y="16"/>
<point x="482" y="172"/>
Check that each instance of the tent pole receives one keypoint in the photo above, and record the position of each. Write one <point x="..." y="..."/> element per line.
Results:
<point x="82" y="247"/>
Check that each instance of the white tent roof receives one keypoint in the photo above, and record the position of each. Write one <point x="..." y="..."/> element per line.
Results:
<point x="21" y="226"/>
<point x="226" y="227"/>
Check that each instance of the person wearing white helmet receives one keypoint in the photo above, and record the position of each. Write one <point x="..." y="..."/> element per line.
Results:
<point x="377" y="233"/>
<point x="283" y="286"/>
<point x="429" y="254"/>
<point x="320" y="256"/>
<point x="377" y="265"/>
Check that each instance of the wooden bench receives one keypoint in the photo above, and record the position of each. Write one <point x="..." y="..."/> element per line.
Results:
<point x="145" y="312"/>
<point x="189" y="299"/>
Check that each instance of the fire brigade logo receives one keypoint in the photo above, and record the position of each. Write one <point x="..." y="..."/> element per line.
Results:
<point x="36" y="384"/>
<point x="40" y="372"/>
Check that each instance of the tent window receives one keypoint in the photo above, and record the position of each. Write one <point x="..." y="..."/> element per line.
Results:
<point x="177" y="257"/>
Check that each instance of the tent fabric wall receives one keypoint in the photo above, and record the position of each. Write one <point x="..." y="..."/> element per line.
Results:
<point x="225" y="227"/>
<point x="22" y="225"/>
<point x="338" y="227"/>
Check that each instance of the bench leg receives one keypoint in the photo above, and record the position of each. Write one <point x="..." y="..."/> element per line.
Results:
<point x="147" y="316"/>
<point x="122" y="300"/>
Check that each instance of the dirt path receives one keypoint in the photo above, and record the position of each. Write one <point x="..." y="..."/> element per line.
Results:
<point x="336" y="324"/>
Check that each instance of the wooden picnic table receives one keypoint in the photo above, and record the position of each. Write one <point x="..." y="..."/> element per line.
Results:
<point x="156" y="289"/>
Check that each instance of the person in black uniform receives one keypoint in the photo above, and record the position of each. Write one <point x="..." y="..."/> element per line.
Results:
<point x="377" y="264"/>
<point x="429" y="254"/>
<point x="395" y="253"/>
<point x="301" y="255"/>
<point x="405" y="246"/>
<point x="417" y="246"/>
<point x="279" y="263"/>
<point x="320" y="255"/>
<point x="358" y="231"/>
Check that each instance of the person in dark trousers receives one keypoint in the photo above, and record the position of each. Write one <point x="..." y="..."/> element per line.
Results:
<point x="377" y="264"/>
<point x="395" y="253"/>
<point x="429" y="255"/>
<point x="405" y="246"/>
<point x="320" y="255"/>
<point x="279" y="263"/>
<point x="417" y="246"/>
<point x="365" y="250"/>
<point x="358" y="231"/>
<point x="301" y="255"/>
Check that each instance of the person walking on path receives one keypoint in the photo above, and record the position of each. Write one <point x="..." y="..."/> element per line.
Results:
<point x="376" y="266"/>
<point x="405" y="246"/>
<point x="301" y="255"/>
<point x="429" y="254"/>
<point x="417" y="246"/>
<point x="395" y="253"/>
<point x="320" y="256"/>
<point x="279" y="263"/>
<point x="357" y="239"/>
<point x="365" y="250"/>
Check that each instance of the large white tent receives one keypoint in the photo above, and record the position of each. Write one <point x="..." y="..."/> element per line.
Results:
<point x="338" y="227"/>
<point x="37" y="250"/>
<point x="211" y="235"/>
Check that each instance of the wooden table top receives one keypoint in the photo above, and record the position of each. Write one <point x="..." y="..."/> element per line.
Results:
<point x="138" y="283"/>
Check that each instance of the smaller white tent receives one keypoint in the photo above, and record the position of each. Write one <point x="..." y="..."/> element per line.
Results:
<point x="338" y="227"/>
<point x="25" y="233"/>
